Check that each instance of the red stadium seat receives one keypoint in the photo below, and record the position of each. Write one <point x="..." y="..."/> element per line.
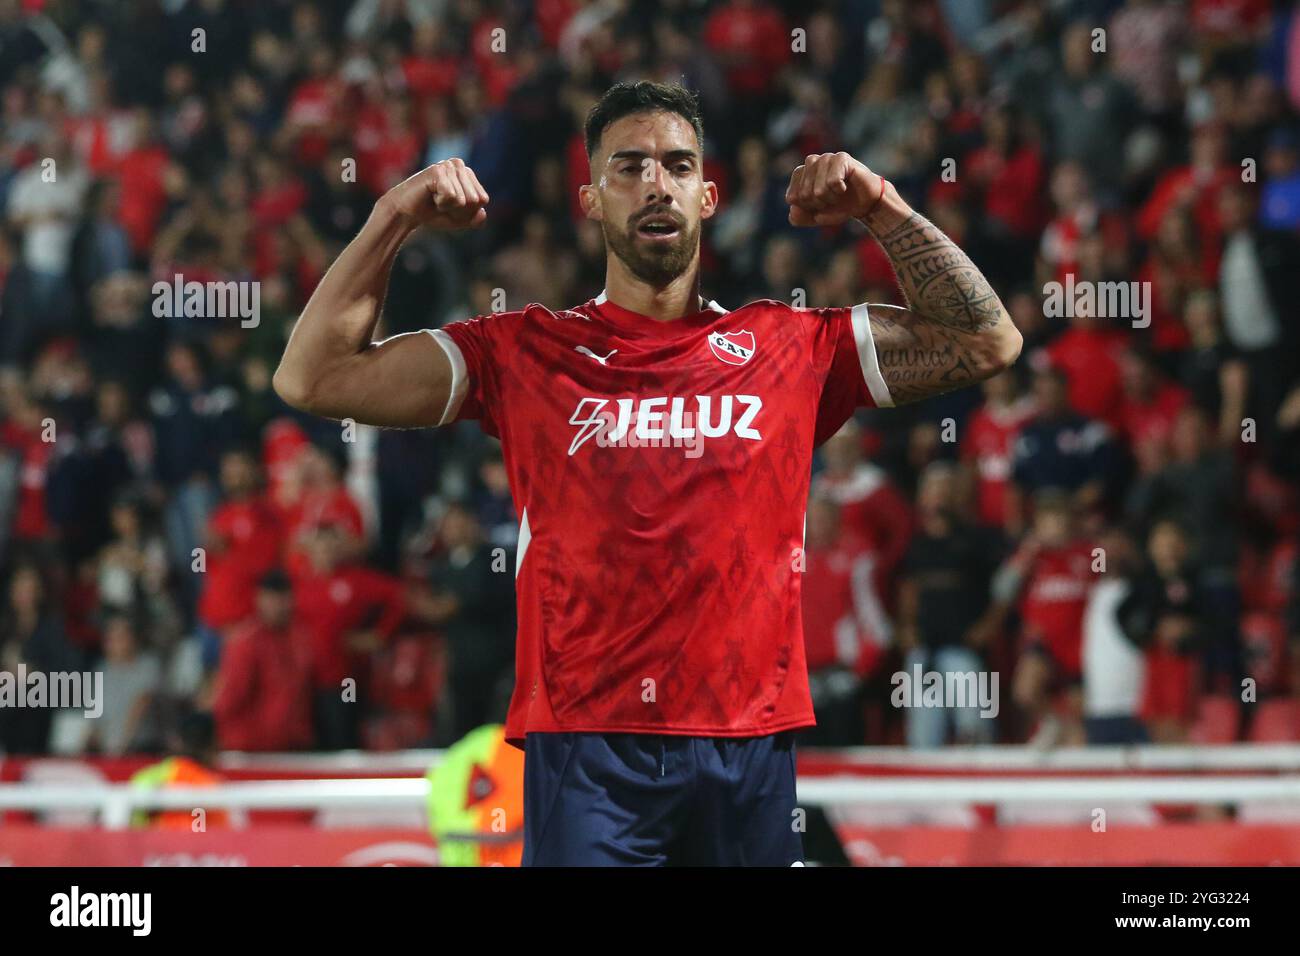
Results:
<point x="1276" y="721"/>
<point x="1217" y="721"/>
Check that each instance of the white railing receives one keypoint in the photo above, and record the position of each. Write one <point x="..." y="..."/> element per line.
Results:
<point x="115" y="803"/>
<point x="1189" y="757"/>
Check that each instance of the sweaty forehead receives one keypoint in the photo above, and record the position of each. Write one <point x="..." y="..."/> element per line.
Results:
<point x="652" y="132"/>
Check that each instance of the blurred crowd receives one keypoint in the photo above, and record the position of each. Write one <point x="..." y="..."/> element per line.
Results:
<point x="1111" y="527"/>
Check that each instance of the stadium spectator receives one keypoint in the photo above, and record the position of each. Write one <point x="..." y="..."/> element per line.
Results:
<point x="870" y="506"/>
<point x="244" y="541"/>
<point x="346" y="611"/>
<point x="1114" y="667"/>
<point x="132" y="678"/>
<point x="986" y="453"/>
<point x="32" y="638"/>
<point x="471" y="600"/>
<point x="1257" y="282"/>
<point x="1166" y="614"/>
<point x="846" y="627"/>
<point x="263" y="691"/>
<point x="1049" y="577"/>
<point x="44" y="202"/>
<point x="1059" y="448"/>
<point x="132" y="574"/>
<point x="1216" y="378"/>
<point x="943" y="602"/>
<point x="1090" y="112"/>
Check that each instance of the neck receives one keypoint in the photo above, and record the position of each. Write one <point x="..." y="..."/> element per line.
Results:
<point x="678" y="298"/>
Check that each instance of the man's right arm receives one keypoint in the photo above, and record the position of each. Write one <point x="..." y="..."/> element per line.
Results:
<point x="331" y="366"/>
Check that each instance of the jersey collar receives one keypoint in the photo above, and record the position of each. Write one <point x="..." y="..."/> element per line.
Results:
<point x="634" y="322"/>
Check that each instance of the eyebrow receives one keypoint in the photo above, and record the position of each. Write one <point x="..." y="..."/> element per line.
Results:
<point x="669" y="156"/>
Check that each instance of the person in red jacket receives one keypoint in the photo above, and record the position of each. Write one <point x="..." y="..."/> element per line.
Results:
<point x="244" y="541"/>
<point x="1051" y="573"/>
<point x="315" y="495"/>
<point x="347" y="611"/>
<point x="845" y="628"/>
<point x="263" y="691"/>
<point x="870" y="504"/>
<point x="988" y="450"/>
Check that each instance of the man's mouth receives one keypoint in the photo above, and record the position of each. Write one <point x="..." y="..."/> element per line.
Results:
<point x="658" y="227"/>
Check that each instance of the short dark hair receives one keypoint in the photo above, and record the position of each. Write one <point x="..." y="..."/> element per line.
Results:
<point x="624" y="99"/>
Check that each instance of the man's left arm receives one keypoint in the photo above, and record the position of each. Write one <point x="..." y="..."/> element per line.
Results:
<point x="954" y="330"/>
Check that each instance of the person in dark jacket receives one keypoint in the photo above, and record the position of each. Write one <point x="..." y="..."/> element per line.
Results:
<point x="473" y="600"/>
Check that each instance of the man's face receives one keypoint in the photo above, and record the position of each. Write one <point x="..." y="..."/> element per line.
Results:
<point x="237" y="475"/>
<point x="1051" y="393"/>
<point x="649" y="195"/>
<point x="274" y="608"/>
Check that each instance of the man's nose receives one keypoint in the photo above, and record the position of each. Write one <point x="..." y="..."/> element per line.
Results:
<point x="659" y="183"/>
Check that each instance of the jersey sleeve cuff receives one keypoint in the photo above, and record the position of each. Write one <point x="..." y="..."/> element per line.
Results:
<point x="459" y="374"/>
<point x="867" y="358"/>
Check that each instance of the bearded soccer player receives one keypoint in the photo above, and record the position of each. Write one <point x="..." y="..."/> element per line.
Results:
<point x="659" y="449"/>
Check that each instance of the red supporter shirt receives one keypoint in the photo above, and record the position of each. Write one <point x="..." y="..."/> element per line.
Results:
<point x="844" y="620"/>
<point x="752" y="43"/>
<point x="873" y="509"/>
<point x="323" y="507"/>
<point x="253" y="538"/>
<point x="263" y="691"/>
<point x="140" y="174"/>
<point x="1152" y="420"/>
<point x="989" y="445"/>
<point x="31" y="521"/>
<point x="1012" y="185"/>
<point x="1087" y="356"/>
<point x="661" y="472"/>
<point x="1055" y="595"/>
<point x="430" y="78"/>
<point x="1168" y="690"/>
<point x="329" y="606"/>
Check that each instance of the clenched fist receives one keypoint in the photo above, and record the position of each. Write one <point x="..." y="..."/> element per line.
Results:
<point x="446" y="195"/>
<point x="831" y="188"/>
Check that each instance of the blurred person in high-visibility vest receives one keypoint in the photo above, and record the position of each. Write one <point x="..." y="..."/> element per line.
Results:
<point x="476" y="800"/>
<point x="193" y="756"/>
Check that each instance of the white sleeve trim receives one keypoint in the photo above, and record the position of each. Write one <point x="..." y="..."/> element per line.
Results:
<point x="459" y="375"/>
<point x="867" y="358"/>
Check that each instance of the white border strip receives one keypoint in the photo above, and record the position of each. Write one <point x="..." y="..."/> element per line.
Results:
<point x="867" y="358"/>
<point x="525" y="536"/>
<point x="459" y="376"/>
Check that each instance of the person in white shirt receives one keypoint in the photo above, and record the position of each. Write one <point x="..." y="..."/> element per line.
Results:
<point x="1113" y="666"/>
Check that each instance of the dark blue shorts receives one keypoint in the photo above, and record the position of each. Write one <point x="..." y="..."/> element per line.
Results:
<point x="651" y="800"/>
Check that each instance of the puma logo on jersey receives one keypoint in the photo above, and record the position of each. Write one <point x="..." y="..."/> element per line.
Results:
<point x="603" y="360"/>
<point x="665" y="421"/>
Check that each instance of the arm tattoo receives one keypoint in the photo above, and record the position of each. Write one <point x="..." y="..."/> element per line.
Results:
<point x="939" y="280"/>
<point x="942" y="337"/>
<point x="918" y="359"/>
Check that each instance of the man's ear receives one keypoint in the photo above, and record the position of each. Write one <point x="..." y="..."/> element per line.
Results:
<point x="709" y="200"/>
<point x="589" y="199"/>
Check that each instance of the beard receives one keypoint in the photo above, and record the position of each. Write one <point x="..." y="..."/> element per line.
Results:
<point x="654" y="263"/>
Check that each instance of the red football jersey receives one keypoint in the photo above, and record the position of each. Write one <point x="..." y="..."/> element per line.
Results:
<point x="1055" y="597"/>
<point x="660" y="471"/>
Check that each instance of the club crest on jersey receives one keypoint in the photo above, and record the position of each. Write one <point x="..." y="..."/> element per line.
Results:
<point x="734" y="348"/>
